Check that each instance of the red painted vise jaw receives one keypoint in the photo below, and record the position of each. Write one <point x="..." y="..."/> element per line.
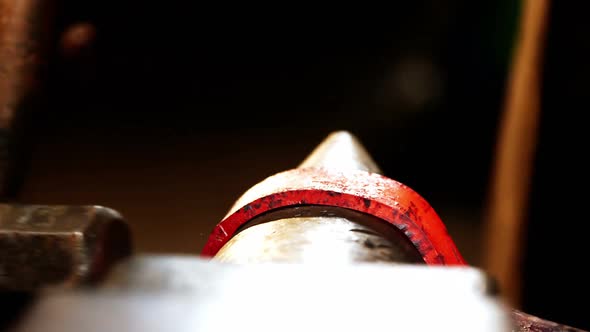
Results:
<point x="337" y="175"/>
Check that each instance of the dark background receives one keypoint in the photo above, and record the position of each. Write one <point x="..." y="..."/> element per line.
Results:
<point x="173" y="110"/>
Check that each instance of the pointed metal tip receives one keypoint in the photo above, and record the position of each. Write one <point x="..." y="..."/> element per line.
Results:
<point x="342" y="151"/>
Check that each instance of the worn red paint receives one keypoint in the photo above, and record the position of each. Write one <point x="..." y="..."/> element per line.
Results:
<point x="357" y="190"/>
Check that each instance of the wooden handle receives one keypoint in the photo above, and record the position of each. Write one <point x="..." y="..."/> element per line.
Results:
<point x="515" y="152"/>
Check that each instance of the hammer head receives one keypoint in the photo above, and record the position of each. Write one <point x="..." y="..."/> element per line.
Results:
<point x="58" y="245"/>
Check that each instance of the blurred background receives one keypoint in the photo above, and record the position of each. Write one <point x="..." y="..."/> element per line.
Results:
<point x="168" y="112"/>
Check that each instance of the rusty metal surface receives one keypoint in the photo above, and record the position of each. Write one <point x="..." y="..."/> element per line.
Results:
<point x="318" y="234"/>
<point x="524" y="322"/>
<point x="25" y="32"/>
<point x="58" y="246"/>
<point x="186" y="293"/>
